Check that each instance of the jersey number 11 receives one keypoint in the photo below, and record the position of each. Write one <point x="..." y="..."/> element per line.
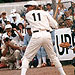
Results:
<point x="34" y="16"/>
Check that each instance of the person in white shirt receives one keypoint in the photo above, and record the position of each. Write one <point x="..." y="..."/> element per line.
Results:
<point x="41" y="23"/>
<point x="49" y="9"/>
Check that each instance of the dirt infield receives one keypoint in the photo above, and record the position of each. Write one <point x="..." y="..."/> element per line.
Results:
<point x="69" y="69"/>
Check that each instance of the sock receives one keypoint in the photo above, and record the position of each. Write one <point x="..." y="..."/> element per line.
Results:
<point x="23" y="71"/>
<point x="61" y="71"/>
<point x="44" y="59"/>
<point x="39" y="61"/>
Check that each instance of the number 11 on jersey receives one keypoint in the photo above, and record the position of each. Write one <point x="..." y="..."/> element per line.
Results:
<point x="34" y="16"/>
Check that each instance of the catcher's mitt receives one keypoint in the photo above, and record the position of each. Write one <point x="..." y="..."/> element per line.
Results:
<point x="65" y="45"/>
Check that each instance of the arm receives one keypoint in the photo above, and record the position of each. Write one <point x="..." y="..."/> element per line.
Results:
<point x="52" y="22"/>
<point x="13" y="46"/>
<point x="4" y="50"/>
<point x="19" y="34"/>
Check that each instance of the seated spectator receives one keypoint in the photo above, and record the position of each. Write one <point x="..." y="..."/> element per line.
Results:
<point x="11" y="53"/>
<point x="21" y="28"/>
<point x="19" y="39"/>
<point x="68" y="22"/>
<point x="8" y="29"/>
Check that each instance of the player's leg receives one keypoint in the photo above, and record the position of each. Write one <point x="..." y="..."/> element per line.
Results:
<point x="30" y="52"/>
<point x="51" y="54"/>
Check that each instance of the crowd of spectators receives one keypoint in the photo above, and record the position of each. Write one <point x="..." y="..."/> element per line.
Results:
<point x="13" y="32"/>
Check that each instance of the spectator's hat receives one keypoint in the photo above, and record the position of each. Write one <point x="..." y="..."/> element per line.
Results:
<point x="8" y="26"/>
<point x="13" y="10"/>
<point x="28" y="27"/>
<point x="30" y="3"/>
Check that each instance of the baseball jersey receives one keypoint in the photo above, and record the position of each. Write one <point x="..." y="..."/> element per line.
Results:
<point x="40" y="20"/>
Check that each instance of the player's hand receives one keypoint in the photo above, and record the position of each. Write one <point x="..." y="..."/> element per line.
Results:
<point x="64" y="45"/>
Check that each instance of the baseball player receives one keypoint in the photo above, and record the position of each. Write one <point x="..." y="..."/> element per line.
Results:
<point x="41" y="23"/>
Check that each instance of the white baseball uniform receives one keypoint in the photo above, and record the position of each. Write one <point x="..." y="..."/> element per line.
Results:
<point x="41" y="23"/>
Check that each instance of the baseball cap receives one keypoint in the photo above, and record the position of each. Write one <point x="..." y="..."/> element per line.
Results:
<point x="30" y="3"/>
<point x="28" y="26"/>
<point x="8" y="26"/>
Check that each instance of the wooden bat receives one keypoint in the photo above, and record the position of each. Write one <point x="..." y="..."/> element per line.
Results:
<point x="57" y="9"/>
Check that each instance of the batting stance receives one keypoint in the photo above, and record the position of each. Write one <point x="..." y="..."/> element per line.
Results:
<point x="41" y="23"/>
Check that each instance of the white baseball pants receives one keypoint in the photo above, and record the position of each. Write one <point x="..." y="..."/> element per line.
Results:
<point x="38" y="39"/>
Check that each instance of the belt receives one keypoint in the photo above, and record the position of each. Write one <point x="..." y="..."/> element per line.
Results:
<point x="38" y="31"/>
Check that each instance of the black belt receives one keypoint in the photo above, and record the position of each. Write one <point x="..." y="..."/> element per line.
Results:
<point x="38" y="31"/>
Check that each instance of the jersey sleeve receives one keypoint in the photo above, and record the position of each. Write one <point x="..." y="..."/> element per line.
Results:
<point x="52" y="21"/>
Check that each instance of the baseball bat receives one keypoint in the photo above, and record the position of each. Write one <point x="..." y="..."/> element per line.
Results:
<point x="59" y="1"/>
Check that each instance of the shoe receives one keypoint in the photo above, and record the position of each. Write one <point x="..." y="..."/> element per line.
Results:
<point x="52" y="64"/>
<point x="39" y="65"/>
<point x="17" y="66"/>
<point x="2" y="65"/>
<point x="44" y="65"/>
<point x="11" y="66"/>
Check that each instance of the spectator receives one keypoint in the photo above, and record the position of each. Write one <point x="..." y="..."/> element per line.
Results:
<point x="19" y="37"/>
<point x="68" y="22"/>
<point x="14" y="21"/>
<point x="11" y="53"/>
<point x="4" y="18"/>
<point x="61" y="11"/>
<point x="13" y="11"/>
<point x="21" y="28"/>
<point x="49" y="9"/>
<point x="8" y="33"/>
